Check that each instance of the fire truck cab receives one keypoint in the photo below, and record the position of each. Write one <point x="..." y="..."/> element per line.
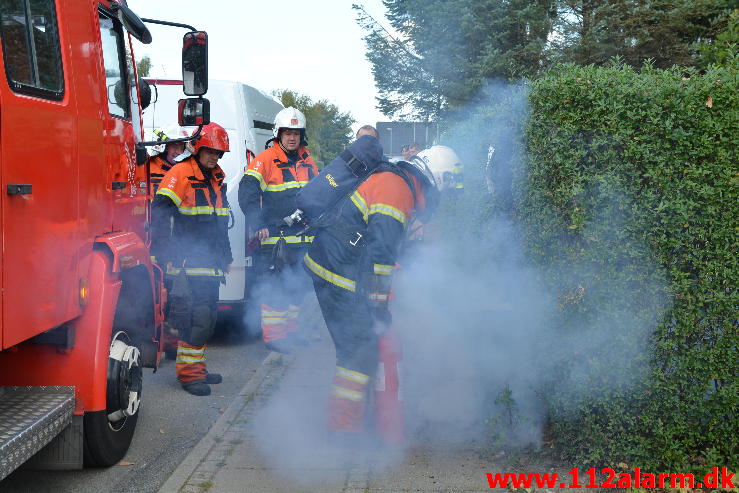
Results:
<point x="80" y="300"/>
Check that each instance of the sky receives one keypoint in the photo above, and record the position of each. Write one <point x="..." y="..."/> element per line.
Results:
<point x="314" y="48"/>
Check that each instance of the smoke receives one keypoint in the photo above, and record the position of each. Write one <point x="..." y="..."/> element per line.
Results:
<point x="489" y="343"/>
<point x="490" y="339"/>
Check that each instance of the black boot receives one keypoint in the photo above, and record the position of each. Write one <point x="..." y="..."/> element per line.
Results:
<point x="280" y="346"/>
<point x="197" y="388"/>
<point x="213" y="378"/>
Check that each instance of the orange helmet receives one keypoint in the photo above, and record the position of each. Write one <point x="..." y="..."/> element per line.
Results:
<point x="212" y="136"/>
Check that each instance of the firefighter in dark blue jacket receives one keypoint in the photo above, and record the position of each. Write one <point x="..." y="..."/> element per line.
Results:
<point x="351" y="262"/>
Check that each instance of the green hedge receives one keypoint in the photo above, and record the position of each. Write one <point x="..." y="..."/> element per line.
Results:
<point x="630" y="208"/>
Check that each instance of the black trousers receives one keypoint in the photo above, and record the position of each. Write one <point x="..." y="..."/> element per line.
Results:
<point x="204" y="310"/>
<point x="351" y="326"/>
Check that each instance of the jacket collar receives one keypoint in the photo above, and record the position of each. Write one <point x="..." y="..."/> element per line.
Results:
<point x="303" y="154"/>
<point x="218" y="174"/>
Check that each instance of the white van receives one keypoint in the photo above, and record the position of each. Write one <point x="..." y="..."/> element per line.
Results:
<point x="248" y="116"/>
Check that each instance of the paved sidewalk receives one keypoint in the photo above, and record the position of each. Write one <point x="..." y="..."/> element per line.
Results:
<point x="272" y="439"/>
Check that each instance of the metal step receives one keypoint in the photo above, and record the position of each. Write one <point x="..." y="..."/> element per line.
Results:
<point x="30" y="417"/>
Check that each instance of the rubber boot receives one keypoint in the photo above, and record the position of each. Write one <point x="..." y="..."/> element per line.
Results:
<point x="198" y="388"/>
<point x="280" y="346"/>
<point x="213" y="378"/>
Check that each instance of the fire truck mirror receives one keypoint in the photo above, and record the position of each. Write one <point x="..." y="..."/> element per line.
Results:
<point x="117" y="95"/>
<point x="133" y="23"/>
<point x="193" y="112"/>
<point x="144" y="93"/>
<point x="195" y="63"/>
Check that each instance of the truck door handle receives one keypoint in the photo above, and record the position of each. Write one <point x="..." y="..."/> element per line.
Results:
<point x="20" y="189"/>
<point x="118" y="185"/>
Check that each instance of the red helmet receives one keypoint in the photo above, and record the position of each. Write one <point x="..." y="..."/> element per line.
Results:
<point x="212" y="136"/>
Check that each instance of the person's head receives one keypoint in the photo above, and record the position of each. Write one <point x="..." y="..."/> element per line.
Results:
<point x="413" y="149"/>
<point x="367" y="130"/>
<point x="404" y="152"/>
<point x="210" y="145"/>
<point x="172" y="150"/>
<point x="289" y="128"/>
<point x="167" y="149"/>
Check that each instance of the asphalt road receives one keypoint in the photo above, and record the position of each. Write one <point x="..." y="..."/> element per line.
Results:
<point x="170" y="424"/>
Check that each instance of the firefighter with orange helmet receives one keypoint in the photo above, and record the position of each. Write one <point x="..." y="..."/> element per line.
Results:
<point x="267" y="195"/>
<point x="351" y="262"/>
<point x="166" y="154"/>
<point x="190" y="215"/>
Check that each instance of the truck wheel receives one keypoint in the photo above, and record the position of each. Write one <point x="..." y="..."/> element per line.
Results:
<point x="108" y="433"/>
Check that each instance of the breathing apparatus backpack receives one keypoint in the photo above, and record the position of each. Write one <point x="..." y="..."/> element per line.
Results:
<point x="320" y="199"/>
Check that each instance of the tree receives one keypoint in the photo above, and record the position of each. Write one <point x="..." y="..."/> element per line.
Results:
<point x="663" y="31"/>
<point x="143" y="67"/>
<point x="438" y="53"/>
<point x="723" y="49"/>
<point x="328" y="129"/>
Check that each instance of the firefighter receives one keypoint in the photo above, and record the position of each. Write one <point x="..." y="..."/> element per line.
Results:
<point x="195" y="248"/>
<point x="351" y="262"/>
<point x="167" y="154"/>
<point x="267" y="195"/>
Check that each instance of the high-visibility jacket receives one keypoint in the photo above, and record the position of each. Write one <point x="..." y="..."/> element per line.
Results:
<point x="268" y="188"/>
<point x="371" y="227"/>
<point x="198" y="237"/>
<point x="158" y="167"/>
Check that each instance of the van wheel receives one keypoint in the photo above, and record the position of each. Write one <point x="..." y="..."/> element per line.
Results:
<point x="108" y="433"/>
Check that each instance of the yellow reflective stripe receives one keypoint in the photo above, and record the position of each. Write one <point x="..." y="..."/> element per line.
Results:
<point x="196" y="271"/>
<point x="352" y="395"/>
<point x="258" y="176"/>
<point x="189" y="359"/>
<point x="191" y="351"/>
<point x="389" y="210"/>
<point x="288" y="239"/>
<point x="383" y="269"/>
<point x="358" y="201"/>
<point x="222" y="211"/>
<point x="286" y="186"/>
<point x="170" y="193"/>
<point x="351" y="375"/>
<point x="329" y="276"/>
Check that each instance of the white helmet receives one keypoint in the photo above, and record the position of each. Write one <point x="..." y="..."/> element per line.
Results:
<point x="422" y="171"/>
<point x="443" y="163"/>
<point x="168" y="132"/>
<point x="289" y="118"/>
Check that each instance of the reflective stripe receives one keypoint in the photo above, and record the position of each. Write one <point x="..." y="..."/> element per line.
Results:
<point x="383" y="269"/>
<point x="191" y="351"/>
<point x="352" y="395"/>
<point x="288" y="239"/>
<point x="389" y="210"/>
<point x="205" y="209"/>
<point x="170" y="193"/>
<point x="329" y="276"/>
<point x="190" y="355"/>
<point x="196" y="271"/>
<point x="188" y="360"/>
<point x="286" y="186"/>
<point x="258" y="176"/>
<point x="351" y="375"/>
<point x="358" y="201"/>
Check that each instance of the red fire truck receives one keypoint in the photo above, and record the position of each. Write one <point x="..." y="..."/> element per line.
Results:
<point x="80" y="301"/>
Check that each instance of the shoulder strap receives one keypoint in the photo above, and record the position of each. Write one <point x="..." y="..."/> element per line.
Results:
<point x="398" y="170"/>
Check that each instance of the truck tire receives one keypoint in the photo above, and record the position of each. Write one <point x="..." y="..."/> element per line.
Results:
<point x="108" y="433"/>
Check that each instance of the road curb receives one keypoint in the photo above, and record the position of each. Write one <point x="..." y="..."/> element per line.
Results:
<point x="187" y="467"/>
